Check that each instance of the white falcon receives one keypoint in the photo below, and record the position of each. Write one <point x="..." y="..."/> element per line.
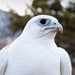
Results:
<point x="35" y="52"/>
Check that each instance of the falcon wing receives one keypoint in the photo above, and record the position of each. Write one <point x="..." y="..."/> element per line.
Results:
<point x="3" y="60"/>
<point x="65" y="63"/>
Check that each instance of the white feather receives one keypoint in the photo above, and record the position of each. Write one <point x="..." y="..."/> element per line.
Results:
<point x="34" y="52"/>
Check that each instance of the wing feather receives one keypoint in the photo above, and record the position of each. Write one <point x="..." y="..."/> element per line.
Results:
<point x="65" y="63"/>
<point x="3" y="60"/>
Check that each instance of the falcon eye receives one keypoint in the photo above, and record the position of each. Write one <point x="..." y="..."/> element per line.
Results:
<point x="54" y="23"/>
<point x="43" y="21"/>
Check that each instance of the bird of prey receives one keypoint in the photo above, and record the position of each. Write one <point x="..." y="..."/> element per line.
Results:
<point x="35" y="52"/>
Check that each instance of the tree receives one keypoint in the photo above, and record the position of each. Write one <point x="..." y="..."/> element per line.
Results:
<point x="71" y="7"/>
<point x="17" y="22"/>
<point x="56" y="6"/>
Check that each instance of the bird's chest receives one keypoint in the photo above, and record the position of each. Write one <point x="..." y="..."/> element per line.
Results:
<point x="35" y="61"/>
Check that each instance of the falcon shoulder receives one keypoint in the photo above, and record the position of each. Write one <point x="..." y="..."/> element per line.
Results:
<point x="65" y="63"/>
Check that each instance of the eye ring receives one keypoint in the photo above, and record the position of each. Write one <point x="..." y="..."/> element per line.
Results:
<point x="44" y="22"/>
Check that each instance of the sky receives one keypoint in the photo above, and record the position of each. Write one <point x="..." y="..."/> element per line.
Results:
<point x="20" y="5"/>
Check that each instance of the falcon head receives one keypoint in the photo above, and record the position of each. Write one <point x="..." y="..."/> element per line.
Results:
<point x="42" y="25"/>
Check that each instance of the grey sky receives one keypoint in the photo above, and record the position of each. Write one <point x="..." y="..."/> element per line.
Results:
<point x="19" y="5"/>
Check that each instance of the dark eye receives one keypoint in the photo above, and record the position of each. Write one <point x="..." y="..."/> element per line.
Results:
<point x="43" y="21"/>
<point x="54" y="23"/>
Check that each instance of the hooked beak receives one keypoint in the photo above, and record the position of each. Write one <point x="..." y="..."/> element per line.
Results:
<point x="59" y="29"/>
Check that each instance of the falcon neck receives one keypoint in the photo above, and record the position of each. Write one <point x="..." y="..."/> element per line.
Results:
<point x="50" y="38"/>
<point x="47" y="39"/>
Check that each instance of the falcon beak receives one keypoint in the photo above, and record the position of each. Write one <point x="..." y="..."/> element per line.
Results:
<point x="59" y="29"/>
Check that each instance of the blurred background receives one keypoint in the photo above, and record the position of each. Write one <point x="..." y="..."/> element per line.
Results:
<point x="15" y="14"/>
